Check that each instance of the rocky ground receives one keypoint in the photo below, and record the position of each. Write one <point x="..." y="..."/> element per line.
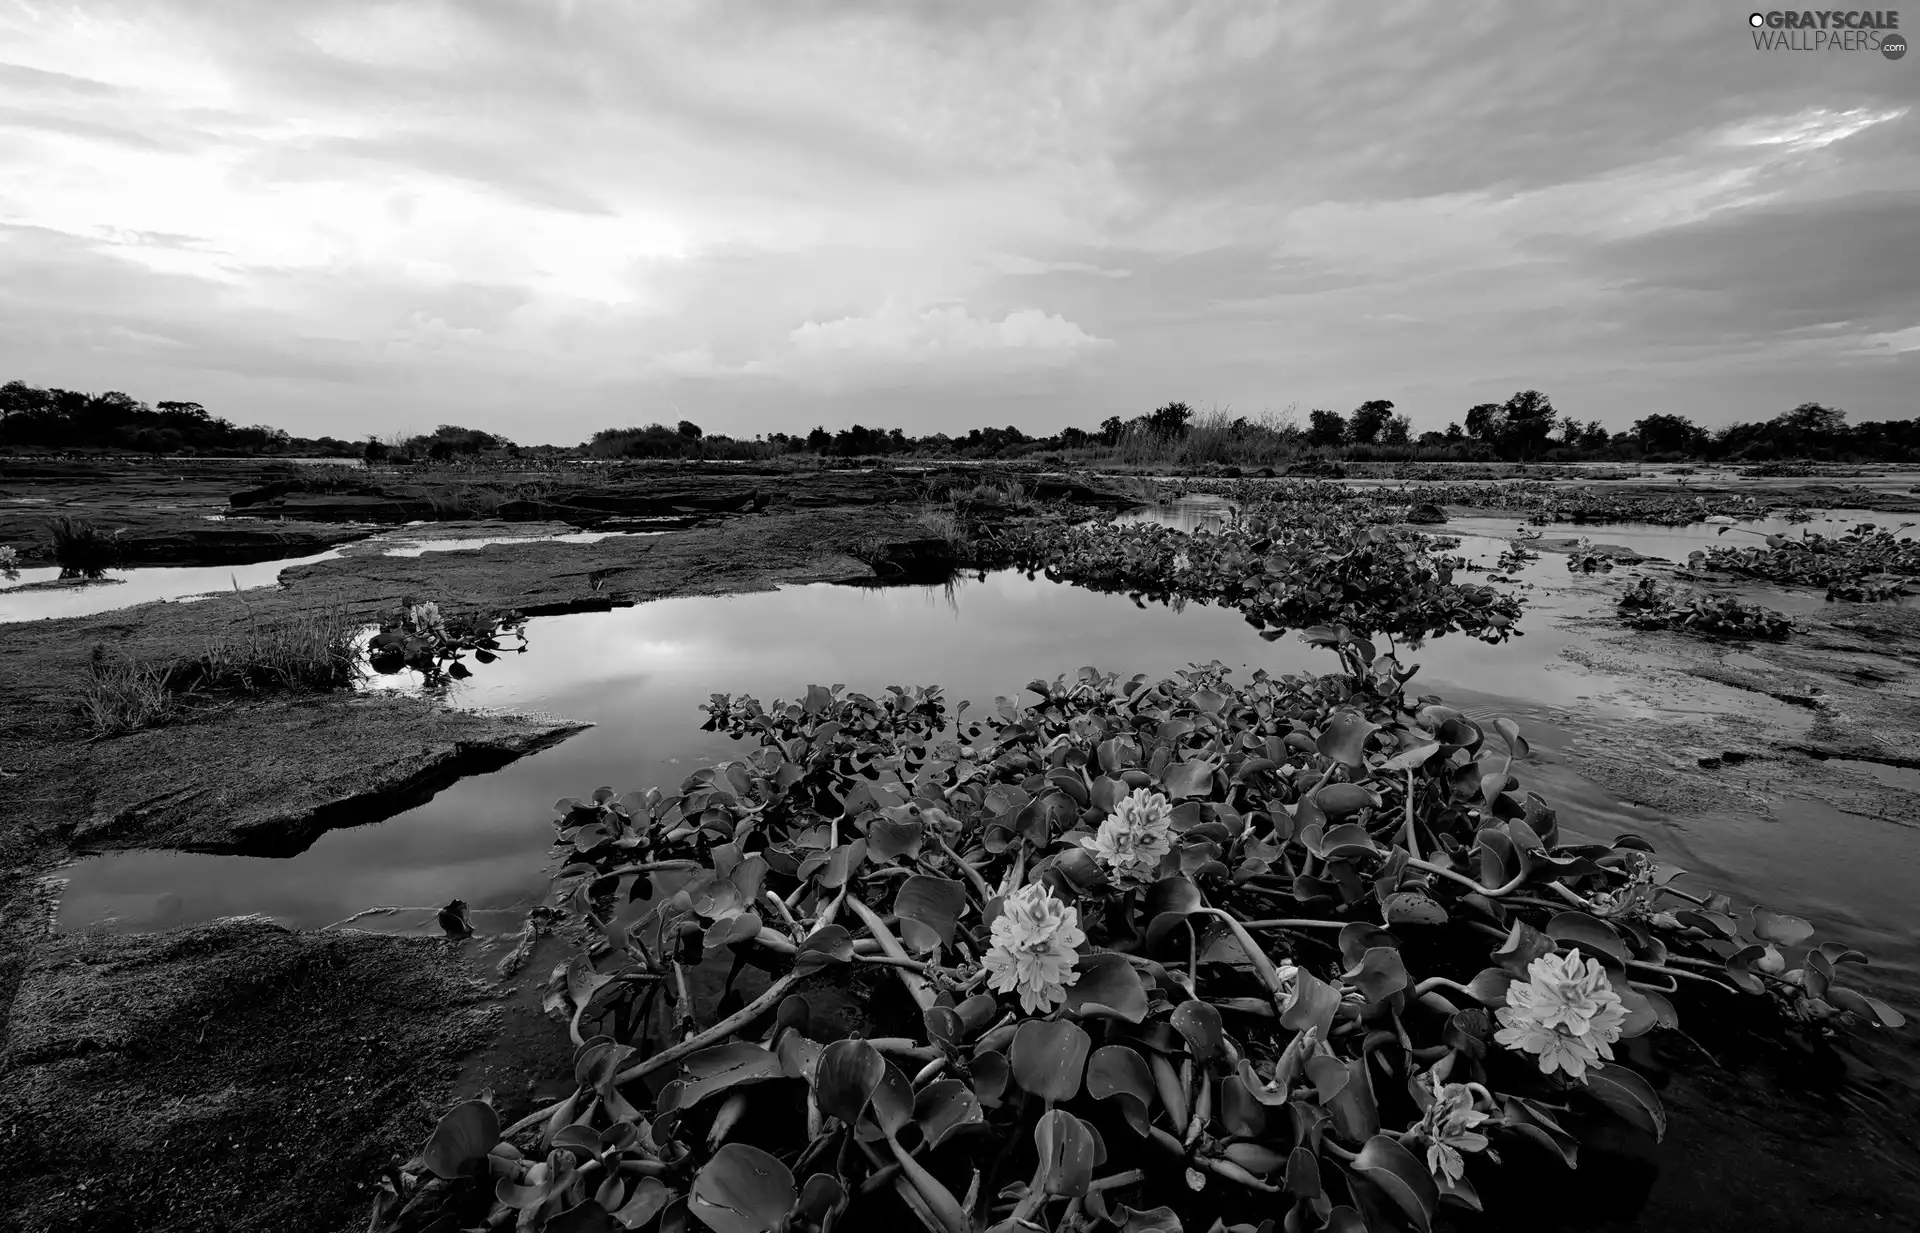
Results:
<point x="239" y="1076"/>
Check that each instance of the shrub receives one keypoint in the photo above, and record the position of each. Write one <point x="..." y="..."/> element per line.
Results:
<point x="81" y="549"/>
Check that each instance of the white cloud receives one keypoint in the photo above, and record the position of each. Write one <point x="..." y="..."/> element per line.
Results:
<point x="937" y="336"/>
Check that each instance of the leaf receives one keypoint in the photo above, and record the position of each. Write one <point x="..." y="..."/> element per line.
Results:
<point x="845" y="1077"/>
<point x="1860" y="1004"/>
<point x="1067" y="1153"/>
<point x="648" y="1198"/>
<point x="1779" y="928"/>
<point x="829" y="946"/>
<point x="887" y="839"/>
<point x="1413" y="908"/>
<point x="1412" y="757"/>
<point x="1108" y="985"/>
<point x="1188" y="779"/>
<point x="1199" y="1023"/>
<point x="1119" y="1073"/>
<point x="944" y="1107"/>
<point x="1380" y="973"/>
<point x="1632" y="1097"/>
<point x="1401" y="1175"/>
<point x="1049" y="1057"/>
<point x="892" y="1103"/>
<point x="1524" y="944"/>
<point x="1240" y="1112"/>
<point x="723" y="1066"/>
<point x="1510" y="733"/>
<point x="1589" y="933"/>
<point x="1343" y="800"/>
<point x="1312" y="1004"/>
<point x="1175" y="895"/>
<point x="928" y="908"/>
<point x="1344" y="738"/>
<point x="459" y="1145"/>
<point x="742" y="1190"/>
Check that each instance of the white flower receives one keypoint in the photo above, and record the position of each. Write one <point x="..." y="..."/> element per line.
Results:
<point x="1448" y="1127"/>
<point x="1566" y="1012"/>
<point x="1033" y="948"/>
<point x="425" y="618"/>
<point x="1133" y="838"/>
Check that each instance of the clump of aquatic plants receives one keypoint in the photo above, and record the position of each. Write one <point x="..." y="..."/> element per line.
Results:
<point x="1280" y="574"/>
<point x="419" y="637"/>
<point x="1648" y="605"/>
<point x="83" y="549"/>
<point x="1864" y="562"/>
<point x="9" y="563"/>
<point x="1201" y="953"/>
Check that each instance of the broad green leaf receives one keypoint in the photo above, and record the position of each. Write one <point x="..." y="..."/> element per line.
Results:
<point x="742" y="1190"/>
<point x="459" y="1145"/>
<point x="1629" y="1095"/>
<point x="1108" y="985"/>
<point x="1049" y="1057"/>
<point x="1402" y="1176"/>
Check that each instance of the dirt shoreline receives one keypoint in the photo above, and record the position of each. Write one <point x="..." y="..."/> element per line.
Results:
<point x="131" y="1066"/>
<point x="89" y="1024"/>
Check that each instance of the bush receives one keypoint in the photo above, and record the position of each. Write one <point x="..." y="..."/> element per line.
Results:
<point x="81" y="549"/>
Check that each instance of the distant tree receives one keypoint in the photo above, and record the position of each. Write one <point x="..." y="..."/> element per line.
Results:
<point x="375" y="450"/>
<point x="1810" y="419"/>
<point x="1367" y="420"/>
<point x="1669" y="434"/>
<point x="1398" y="431"/>
<point x="1111" y="428"/>
<point x="1431" y="438"/>
<point x="1594" y="436"/>
<point x="1454" y="432"/>
<point x="819" y="440"/>
<point x="1527" y="418"/>
<point x="1326" y="427"/>
<point x="1170" y="420"/>
<point x="1485" y="421"/>
<point x="690" y="430"/>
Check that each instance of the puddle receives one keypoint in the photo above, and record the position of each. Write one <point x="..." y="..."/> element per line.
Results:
<point x="124" y="588"/>
<point x="420" y="547"/>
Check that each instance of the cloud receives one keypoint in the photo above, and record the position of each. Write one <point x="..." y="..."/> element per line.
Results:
<point x="533" y="217"/>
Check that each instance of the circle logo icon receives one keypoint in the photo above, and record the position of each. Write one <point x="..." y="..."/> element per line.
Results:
<point x="1757" y="20"/>
<point x="1893" y="46"/>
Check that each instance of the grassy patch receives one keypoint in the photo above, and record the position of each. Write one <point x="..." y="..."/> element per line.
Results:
<point x="82" y="549"/>
<point x="311" y="650"/>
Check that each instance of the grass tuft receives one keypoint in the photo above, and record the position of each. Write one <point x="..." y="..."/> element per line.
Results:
<point x="83" y="549"/>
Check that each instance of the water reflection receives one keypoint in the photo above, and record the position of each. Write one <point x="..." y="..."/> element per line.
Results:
<point x="23" y="600"/>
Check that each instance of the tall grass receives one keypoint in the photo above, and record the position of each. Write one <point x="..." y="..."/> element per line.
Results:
<point x="119" y="694"/>
<point x="945" y="524"/>
<point x="311" y="649"/>
<point x="82" y="549"/>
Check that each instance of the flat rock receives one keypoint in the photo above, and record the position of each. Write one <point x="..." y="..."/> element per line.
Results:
<point x="232" y="1076"/>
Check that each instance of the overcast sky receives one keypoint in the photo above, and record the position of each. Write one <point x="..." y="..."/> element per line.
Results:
<point x="547" y="218"/>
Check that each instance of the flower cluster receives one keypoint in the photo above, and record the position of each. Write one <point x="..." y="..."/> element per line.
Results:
<point x="1032" y="950"/>
<point x="1133" y="838"/>
<point x="1566" y="1012"/>
<point x="1448" y="1128"/>
<point x="424" y="618"/>
<point x="9" y="562"/>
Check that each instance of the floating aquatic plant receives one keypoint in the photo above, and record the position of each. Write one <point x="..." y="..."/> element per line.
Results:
<point x="1368" y="964"/>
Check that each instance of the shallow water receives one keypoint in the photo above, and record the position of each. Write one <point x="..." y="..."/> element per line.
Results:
<point x="126" y="587"/>
<point x="640" y="673"/>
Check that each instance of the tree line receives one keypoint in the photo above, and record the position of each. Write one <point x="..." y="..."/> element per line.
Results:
<point x="1526" y="427"/>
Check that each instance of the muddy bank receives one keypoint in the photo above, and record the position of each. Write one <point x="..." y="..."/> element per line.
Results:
<point x="234" y="1076"/>
<point x="285" y="1066"/>
<point x="267" y="780"/>
<point x="189" y="512"/>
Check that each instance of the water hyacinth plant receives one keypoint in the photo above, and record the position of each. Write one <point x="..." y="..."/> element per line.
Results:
<point x="1366" y="972"/>
<point x="9" y="563"/>
<point x="417" y="636"/>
